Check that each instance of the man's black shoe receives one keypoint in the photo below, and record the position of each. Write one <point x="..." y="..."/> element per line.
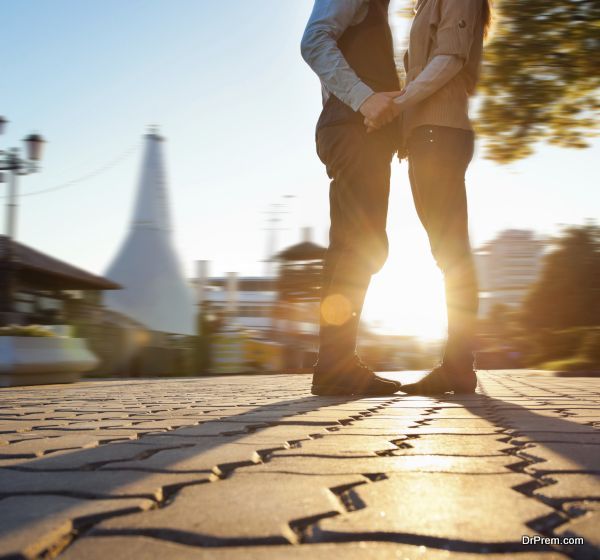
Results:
<point x="354" y="379"/>
<point x="443" y="380"/>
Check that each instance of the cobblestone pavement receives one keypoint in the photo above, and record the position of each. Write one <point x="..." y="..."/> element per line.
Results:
<point x="257" y="468"/>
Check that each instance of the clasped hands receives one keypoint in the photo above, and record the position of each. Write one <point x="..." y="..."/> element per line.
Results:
<point x="379" y="109"/>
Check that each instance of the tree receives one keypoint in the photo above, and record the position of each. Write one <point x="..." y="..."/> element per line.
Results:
<point x="568" y="291"/>
<point x="540" y="76"/>
<point x="590" y="349"/>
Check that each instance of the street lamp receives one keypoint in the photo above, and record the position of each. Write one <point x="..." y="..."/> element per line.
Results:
<point x="11" y="161"/>
<point x="34" y="144"/>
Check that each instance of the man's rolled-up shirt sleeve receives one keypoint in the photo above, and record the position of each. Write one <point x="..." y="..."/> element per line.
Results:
<point x="454" y="25"/>
<point x="328" y="20"/>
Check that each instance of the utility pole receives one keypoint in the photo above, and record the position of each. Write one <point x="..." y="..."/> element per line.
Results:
<point x="11" y="161"/>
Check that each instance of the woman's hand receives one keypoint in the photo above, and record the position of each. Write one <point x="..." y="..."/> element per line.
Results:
<point x="376" y="120"/>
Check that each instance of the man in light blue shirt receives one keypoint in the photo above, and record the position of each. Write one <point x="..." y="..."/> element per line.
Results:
<point x="328" y="21"/>
<point x="348" y="43"/>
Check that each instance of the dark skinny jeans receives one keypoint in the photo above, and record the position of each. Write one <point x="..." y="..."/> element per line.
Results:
<point x="438" y="158"/>
<point x="358" y="164"/>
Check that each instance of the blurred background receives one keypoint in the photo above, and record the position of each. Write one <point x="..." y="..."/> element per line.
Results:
<point x="176" y="214"/>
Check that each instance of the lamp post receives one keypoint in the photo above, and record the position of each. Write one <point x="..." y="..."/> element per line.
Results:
<point x="15" y="165"/>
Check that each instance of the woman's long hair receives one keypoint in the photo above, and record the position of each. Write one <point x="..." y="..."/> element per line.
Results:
<point x="488" y="11"/>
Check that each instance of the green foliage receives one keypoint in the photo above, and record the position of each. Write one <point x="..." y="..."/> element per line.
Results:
<point x="502" y="322"/>
<point x="27" y="330"/>
<point x="560" y="318"/>
<point x="541" y="75"/>
<point x="576" y="349"/>
<point x="590" y="348"/>
<point x="568" y="291"/>
<point x="570" y="364"/>
<point x="555" y="345"/>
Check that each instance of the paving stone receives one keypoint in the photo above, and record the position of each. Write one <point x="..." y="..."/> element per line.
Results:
<point x="460" y="423"/>
<point x="407" y="417"/>
<point x="206" y="412"/>
<point x="583" y="420"/>
<point x="273" y="416"/>
<point x="453" y="507"/>
<point x="543" y="424"/>
<point x="591" y="437"/>
<point x="102" y="415"/>
<point x="585" y="527"/>
<point x="419" y="403"/>
<point x="37" y="447"/>
<point x="333" y="414"/>
<point x="202" y="457"/>
<point x="126" y="548"/>
<point x="113" y="433"/>
<point x="80" y="458"/>
<point x="570" y="487"/>
<point x="86" y="484"/>
<point x="168" y="424"/>
<point x="445" y="444"/>
<point x="275" y="435"/>
<point x="8" y="426"/>
<point x="293" y="462"/>
<point x="281" y="433"/>
<point x="30" y="524"/>
<point x="478" y="403"/>
<point x="375" y="423"/>
<point x="241" y="508"/>
<point x="358" y="429"/>
<point x="217" y="428"/>
<point x="87" y="425"/>
<point x="564" y="457"/>
<point x="526" y="413"/>
<point x="461" y="413"/>
<point x="346" y="445"/>
<point x="591" y="412"/>
<point x="291" y="420"/>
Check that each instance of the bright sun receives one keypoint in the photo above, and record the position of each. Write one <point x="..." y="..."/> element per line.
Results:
<point x="407" y="297"/>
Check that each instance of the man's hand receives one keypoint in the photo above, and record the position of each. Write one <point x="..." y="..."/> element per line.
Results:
<point x="379" y="109"/>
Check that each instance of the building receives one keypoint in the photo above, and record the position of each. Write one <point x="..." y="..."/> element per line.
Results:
<point x="49" y="291"/>
<point x="246" y="312"/>
<point x="68" y="301"/>
<point x="274" y="317"/>
<point x="155" y="292"/>
<point x="246" y="302"/>
<point x="299" y="291"/>
<point x="507" y="267"/>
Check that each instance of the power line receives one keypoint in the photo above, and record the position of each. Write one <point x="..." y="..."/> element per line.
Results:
<point x="87" y="176"/>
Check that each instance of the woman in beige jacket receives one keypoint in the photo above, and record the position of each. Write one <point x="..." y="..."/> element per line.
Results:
<point x="442" y="68"/>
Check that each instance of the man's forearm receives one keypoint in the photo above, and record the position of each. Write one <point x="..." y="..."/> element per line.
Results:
<point x="329" y="19"/>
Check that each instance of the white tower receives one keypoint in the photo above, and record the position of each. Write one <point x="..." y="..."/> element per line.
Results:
<point x="155" y="290"/>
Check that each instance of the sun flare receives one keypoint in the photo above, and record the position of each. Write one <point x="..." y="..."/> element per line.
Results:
<point x="407" y="298"/>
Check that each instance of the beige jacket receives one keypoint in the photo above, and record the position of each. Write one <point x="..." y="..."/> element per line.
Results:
<point x="451" y="27"/>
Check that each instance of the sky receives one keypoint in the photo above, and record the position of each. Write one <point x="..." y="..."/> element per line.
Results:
<point x="226" y="85"/>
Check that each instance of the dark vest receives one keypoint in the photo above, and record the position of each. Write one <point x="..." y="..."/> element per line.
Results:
<point x="369" y="50"/>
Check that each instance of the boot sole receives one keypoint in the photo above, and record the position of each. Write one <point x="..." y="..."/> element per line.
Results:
<point x="456" y="391"/>
<point x="329" y="391"/>
<point x="340" y="390"/>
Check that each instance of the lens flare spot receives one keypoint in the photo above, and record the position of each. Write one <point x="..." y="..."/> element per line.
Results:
<point x="336" y="309"/>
